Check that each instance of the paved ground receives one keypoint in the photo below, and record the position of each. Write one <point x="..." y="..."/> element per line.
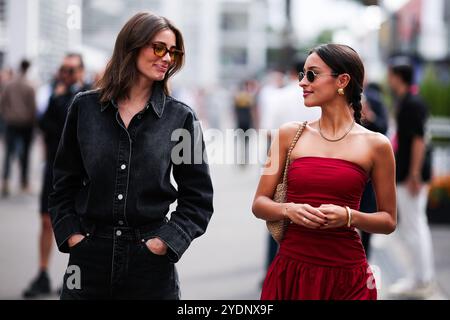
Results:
<point x="226" y="263"/>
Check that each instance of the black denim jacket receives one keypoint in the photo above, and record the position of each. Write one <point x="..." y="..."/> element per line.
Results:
<point x="115" y="176"/>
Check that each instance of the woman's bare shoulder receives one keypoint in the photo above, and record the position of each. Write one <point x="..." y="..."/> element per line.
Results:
<point x="287" y="132"/>
<point x="292" y="125"/>
<point x="375" y="140"/>
<point x="289" y="128"/>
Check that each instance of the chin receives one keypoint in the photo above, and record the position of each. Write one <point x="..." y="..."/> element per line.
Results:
<point x="158" y="77"/>
<point x="309" y="104"/>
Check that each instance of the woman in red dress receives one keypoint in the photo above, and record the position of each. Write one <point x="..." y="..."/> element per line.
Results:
<point x="321" y="255"/>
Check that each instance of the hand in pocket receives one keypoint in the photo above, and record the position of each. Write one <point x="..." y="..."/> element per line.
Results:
<point x="156" y="246"/>
<point x="75" y="239"/>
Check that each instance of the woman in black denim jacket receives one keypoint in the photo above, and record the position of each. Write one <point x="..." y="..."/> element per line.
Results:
<point x="112" y="187"/>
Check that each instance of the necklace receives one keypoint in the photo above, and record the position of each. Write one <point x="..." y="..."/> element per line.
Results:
<point x="338" y="139"/>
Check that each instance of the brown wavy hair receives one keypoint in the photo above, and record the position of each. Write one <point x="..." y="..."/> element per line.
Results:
<point x="121" y="71"/>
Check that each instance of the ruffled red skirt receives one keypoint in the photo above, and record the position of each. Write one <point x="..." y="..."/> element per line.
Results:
<point x="320" y="265"/>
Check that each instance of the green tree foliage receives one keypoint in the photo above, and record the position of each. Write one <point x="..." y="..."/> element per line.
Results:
<point x="435" y="92"/>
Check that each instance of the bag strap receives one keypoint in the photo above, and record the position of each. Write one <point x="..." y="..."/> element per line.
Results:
<point x="291" y="147"/>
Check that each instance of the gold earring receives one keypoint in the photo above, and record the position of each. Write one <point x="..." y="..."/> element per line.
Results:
<point x="341" y="91"/>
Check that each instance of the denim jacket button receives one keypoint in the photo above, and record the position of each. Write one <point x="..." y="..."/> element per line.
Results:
<point x="118" y="233"/>
<point x="123" y="167"/>
<point x="120" y="222"/>
<point x="120" y="197"/>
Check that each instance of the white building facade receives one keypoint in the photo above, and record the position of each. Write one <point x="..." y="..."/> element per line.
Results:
<point x="225" y="40"/>
<point x="41" y="31"/>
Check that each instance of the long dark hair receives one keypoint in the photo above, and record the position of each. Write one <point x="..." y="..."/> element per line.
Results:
<point x="121" y="71"/>
<point x="343" y="59"/>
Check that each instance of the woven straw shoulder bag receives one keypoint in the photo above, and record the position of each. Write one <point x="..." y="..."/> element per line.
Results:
<point x="277" y="228"/>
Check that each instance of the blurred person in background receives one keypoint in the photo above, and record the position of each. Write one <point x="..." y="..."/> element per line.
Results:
<point x="375" y="119"/>
<point x="413" y="176"/>
<point x="18" y="110"/>
<point x="244" y="111"/>
<point x="112" y="172"/>
<point x="5" y="76"/>
<point x="68" y="83"/>
<point x="321" y="255"/>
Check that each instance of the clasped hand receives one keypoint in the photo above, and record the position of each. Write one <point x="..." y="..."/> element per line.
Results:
<point x="326" y="216"/>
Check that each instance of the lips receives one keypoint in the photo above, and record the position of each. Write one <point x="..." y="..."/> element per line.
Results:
<point x="306" y="93"/>
<point x="161" y="68"/>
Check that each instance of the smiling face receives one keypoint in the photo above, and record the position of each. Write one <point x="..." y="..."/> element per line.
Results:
<point x="134" y="61"/>
<point x="324" y="87"/>
<point x="151" y="66"/>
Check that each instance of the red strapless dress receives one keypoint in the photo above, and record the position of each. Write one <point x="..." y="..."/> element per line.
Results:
<point x="322" y="264"/>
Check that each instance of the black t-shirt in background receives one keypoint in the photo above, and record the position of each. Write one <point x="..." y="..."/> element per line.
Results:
<point x="412" y="114"/>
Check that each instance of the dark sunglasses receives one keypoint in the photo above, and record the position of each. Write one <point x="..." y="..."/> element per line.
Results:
<point x="311" y="75"/>
<point x="68" y="70"/>
<point x="160" y="50"/>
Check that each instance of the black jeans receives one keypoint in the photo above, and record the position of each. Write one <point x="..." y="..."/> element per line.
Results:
<point x="14" y="137"/>
<point x="115" y="263"/>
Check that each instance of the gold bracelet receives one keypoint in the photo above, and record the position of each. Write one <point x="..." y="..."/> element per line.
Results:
<point x="349" y="214"/>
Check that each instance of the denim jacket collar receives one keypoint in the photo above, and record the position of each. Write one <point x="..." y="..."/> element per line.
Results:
<point x="157" y="100"/>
